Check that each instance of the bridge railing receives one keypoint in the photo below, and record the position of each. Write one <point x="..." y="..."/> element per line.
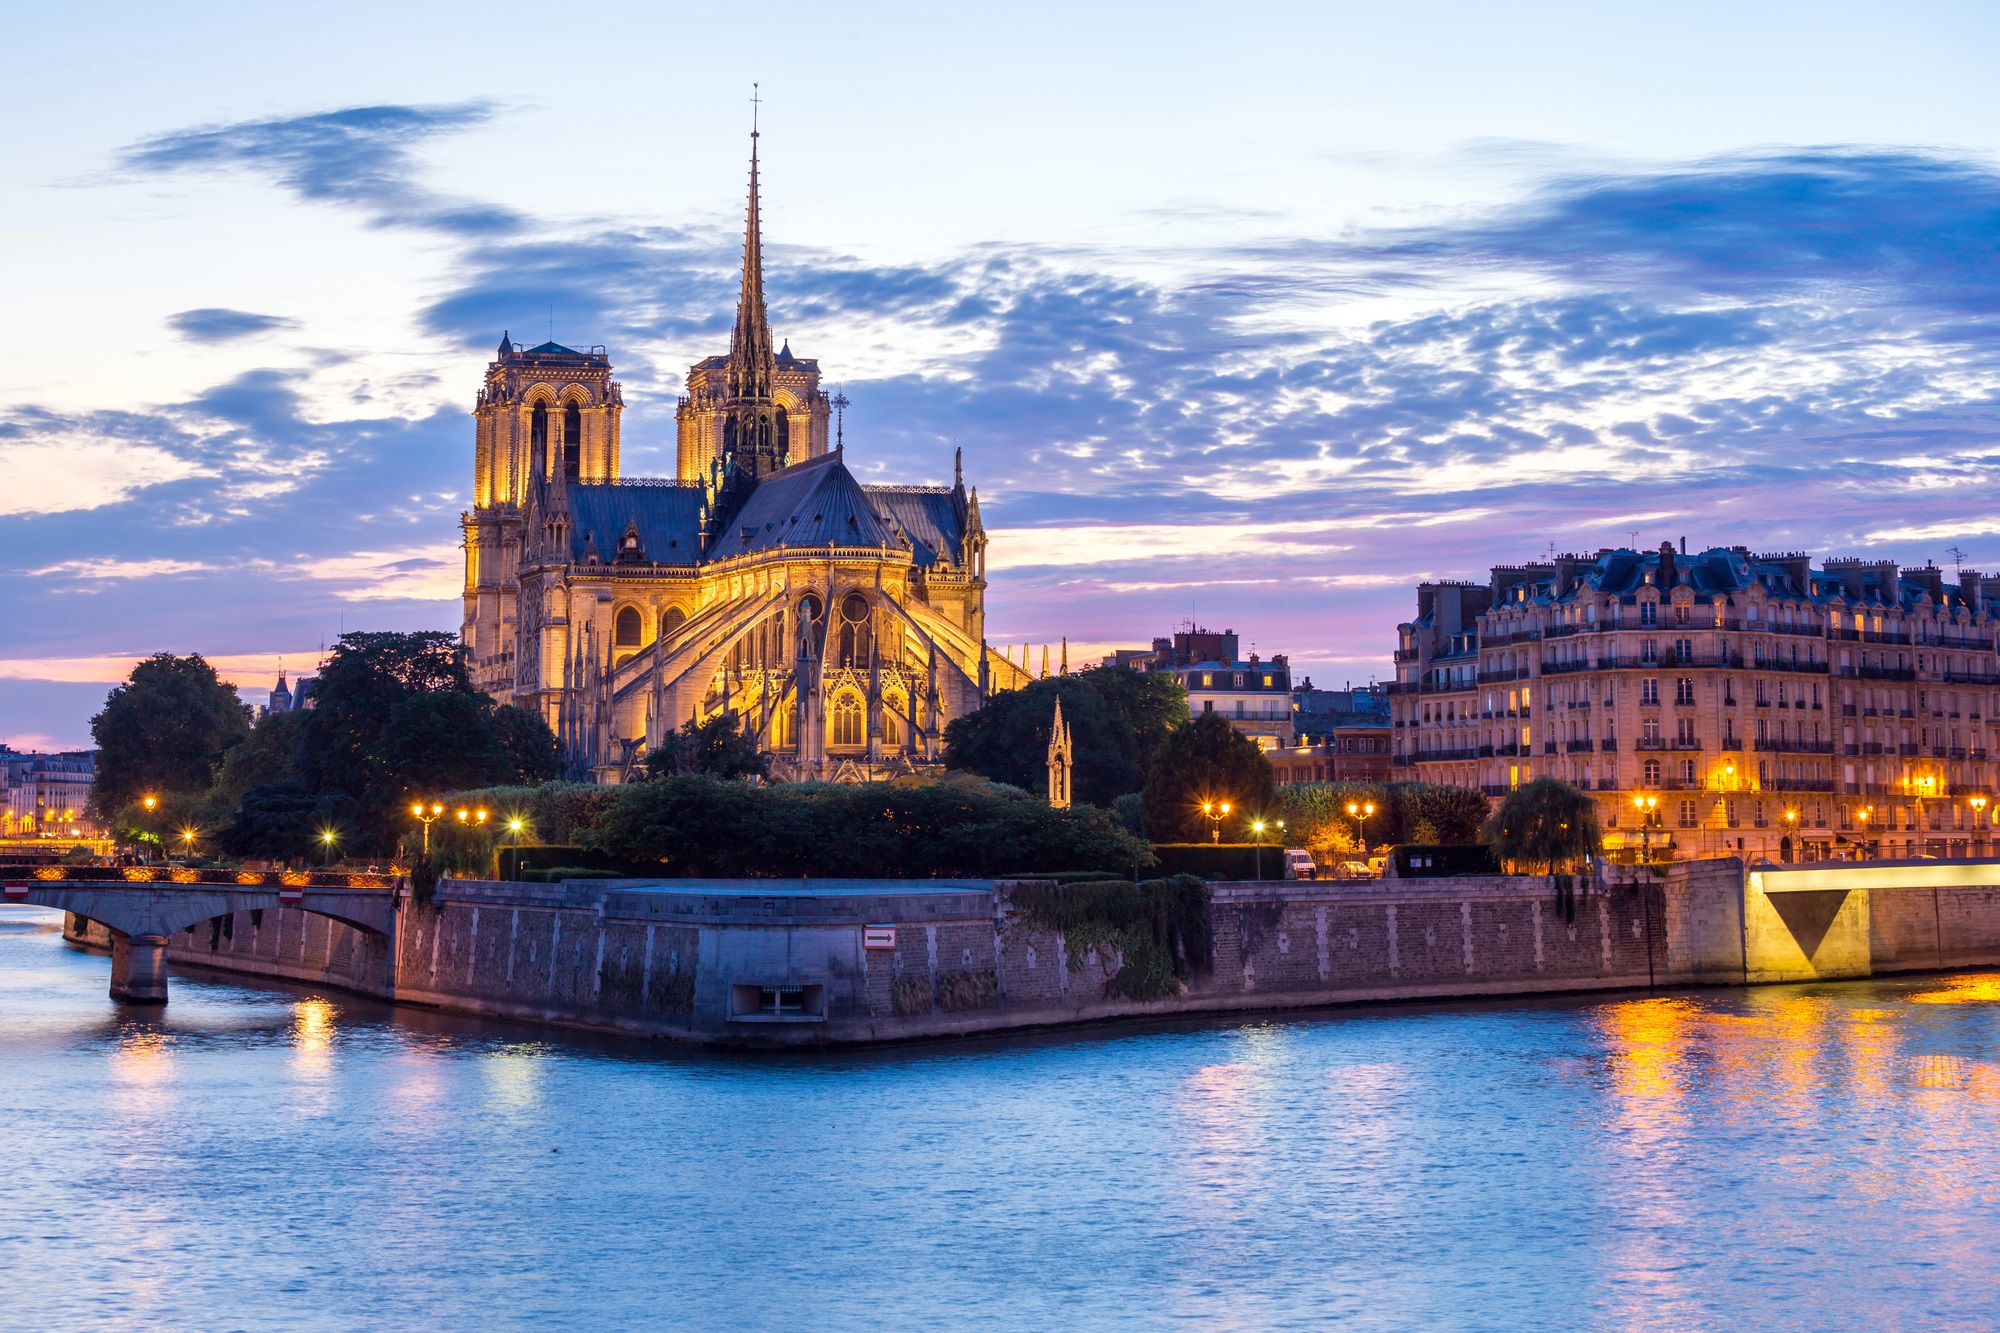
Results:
<point x="290" y="879"/>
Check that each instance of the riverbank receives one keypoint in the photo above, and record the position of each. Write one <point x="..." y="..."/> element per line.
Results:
<point x="832" y="963"/>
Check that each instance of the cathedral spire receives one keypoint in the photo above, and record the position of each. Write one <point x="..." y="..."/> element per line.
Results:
<point x="750" y="357"/>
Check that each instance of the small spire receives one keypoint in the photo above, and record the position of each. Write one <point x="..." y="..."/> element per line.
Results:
<point x="958" y="468"/>
<point x="1065" y="656"/>
<point x="506" y="344"/>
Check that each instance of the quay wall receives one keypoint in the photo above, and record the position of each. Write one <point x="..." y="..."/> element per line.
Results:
<point x="687" y="961"/>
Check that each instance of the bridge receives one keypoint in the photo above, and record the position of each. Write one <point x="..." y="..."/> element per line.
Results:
<point x="143" y="907"/>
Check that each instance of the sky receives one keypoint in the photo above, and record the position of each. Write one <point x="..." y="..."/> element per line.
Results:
<point x="1255" y="315"/>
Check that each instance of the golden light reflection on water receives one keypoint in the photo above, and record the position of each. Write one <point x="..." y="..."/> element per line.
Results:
<point x="1961" y="990"/>
<point x="514" y="1078"/>
<point x="313" y="1032"/>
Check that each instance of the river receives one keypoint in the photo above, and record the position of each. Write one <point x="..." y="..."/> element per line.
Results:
<point x="1809" y="1157"/>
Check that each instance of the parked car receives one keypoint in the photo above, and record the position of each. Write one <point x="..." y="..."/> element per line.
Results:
<point x="1299" y="864"/>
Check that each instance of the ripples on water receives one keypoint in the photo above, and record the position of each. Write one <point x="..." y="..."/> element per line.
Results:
<point x="1791" y="1157"/>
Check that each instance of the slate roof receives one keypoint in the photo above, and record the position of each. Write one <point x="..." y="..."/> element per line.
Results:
<point x="668" y="515"/>
<point x="806" y="505"/>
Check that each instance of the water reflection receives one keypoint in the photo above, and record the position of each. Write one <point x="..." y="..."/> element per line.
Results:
<point x="1796" y="1157"/>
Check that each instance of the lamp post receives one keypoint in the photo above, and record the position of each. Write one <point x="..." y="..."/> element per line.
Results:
<point x="326" y="837"/>
<point x="1791" y="830"/>
<point x="1216" y="811"/>
<point x="427" y="816"/>
<point x="1864" y="812"/>
<point x="1649" y="811"/>
<point x="1359" y="811"/>
<point x="151" y="803"/>
<point x="1257" y="833"/>
<point x="1978" y="804"/>
<point x="188" y="836"/>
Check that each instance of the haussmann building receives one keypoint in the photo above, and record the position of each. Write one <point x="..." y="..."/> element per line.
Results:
<point x="1755" y="705"/>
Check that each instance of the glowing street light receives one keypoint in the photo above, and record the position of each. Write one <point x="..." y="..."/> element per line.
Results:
<point x="1649" y="815"/>
<point x="188" y="836"/>
<point x="1359" y="811"/>
<point x="1217" y="811"/>
<point x="327" y="838"/>
<point x="427" y="816"/>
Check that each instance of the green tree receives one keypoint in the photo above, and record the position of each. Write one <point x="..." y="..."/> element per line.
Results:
<point x="1206" y="760"/>
<point x="912" y="828"/>
<point x="285" y="821"/>
<point x="395" y="715"/>
<point x="531" y="747"/>
<point x="1434" y="812"/>
<point x="165" y="730"/>
<point x="718" y="747"/>
<point x="1116" y="719"/>
<point x="269" y="754"/>
<point x="1544" y="825"/>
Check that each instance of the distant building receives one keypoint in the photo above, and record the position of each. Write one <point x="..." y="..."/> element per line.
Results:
<point x="281" y="698"/>
<point x="284" y="700"/>
<point x="1255" y="695"/>
<point x="1342" y="736"/>
<point x="46" y="795"/>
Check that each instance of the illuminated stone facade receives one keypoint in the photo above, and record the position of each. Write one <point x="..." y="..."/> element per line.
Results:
<point x="843" y="624"/>
<point x="1761" y="705"/>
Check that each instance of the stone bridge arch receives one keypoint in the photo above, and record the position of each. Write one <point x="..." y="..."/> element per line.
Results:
<point x="142" y="917"/>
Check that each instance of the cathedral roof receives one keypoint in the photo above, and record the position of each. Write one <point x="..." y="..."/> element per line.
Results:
<point x="930" y="515"/>
<point x="666" y="514"/>
<point x="808" y="504"/>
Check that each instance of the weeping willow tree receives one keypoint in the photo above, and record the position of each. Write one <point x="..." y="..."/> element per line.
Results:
<point x="1544" y="827"/>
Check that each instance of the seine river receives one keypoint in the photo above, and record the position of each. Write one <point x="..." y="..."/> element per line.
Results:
<point x="1789" y="1158"/>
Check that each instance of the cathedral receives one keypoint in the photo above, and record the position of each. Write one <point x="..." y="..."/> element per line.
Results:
<point x="842" y="624"/>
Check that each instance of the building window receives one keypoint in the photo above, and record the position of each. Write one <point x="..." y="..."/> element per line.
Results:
<point x="1684" y="731"/>
<point x="1649" y="731"/>
<point x="854" y="643"/>
<point x="1649" y="614"/>
<point x="572" y="442"/>
<point x="1684" y="690"/>
<point x="1652" y="768"/>
<point x="1649" y="692"/>
<point x="1683" y="650"/>
<point x="1688" y="819"/>
<point x="628" y="629"/>
<point x="1649" y="652"/>
<point x="1680" y="613"/>
<point x="672" y="619"/>
<point x="538" y="436"/>
<point x="1687" y="772"/>
<point x="847" y="720"/>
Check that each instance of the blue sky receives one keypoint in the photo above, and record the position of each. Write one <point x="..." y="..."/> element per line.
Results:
<point x="1258" y="313"/>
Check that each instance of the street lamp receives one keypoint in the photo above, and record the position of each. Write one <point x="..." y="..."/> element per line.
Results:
<point x="1359" y="811"/>
<point x="1978" y="804"/>
<point x="427" y="817"/>
<point x="469" y="817"/>
<point x="151" y="802"/>
<point x="1791" y="827"/>
<point x="1864" y="812"/>
<point x="326" y="837"/>
<point x="1257" y="833"/>
<point x="1216" y="811"/>
<point x="188" y="836"/>
<point x="1649" y="813"/>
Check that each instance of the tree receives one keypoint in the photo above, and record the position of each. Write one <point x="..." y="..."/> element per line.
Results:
<point x="1433" y="812"/>
<point x="1544" y="825"/>
<point x="1116" y="718"/>
<point x="396" y="714"/>
<point x="530" y="746"/>
<point x="1206" y="760"/>
<point x="165" y="730"/>
<point x="718" y="747"/>
<point x="910" y="828"/>
<point x="282" y="821"/>
<point x="267" y="755"/>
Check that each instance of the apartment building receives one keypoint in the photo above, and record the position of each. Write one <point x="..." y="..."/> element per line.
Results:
<point x="1717" y="703"/>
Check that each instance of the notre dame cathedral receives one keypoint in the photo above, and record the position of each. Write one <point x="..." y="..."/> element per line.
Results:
<point x="843" y="624"/>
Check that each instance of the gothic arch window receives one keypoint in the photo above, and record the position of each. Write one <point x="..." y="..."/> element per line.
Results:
<point x="672" y="619"/>
<point x="538" y="435"/>
<point x="847" y="729"/>
<point x="629" y="629"/>
<point x="784" y="436"/>
<point x="892" y="731"/>
<point x="854" y="643"/>
<point x="572" y="441"/>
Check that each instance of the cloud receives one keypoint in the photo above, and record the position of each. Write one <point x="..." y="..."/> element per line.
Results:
<point x="123" y="569"/>
<point x="432" y="572"/>
<point x="50" y="466"/>
<point x="357" y="156"/>
<point x="215" y="324"/>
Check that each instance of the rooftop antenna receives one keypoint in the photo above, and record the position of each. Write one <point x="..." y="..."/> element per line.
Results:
<point x="839" y="401"/>
<point x="1635" y="539"/>
<point x="1957" y="557"/>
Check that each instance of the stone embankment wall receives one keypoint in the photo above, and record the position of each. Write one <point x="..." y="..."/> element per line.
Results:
<point x="688" y="962"/>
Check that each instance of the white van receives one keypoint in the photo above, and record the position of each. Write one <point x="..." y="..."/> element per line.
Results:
<point x="1299" y="864"/>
